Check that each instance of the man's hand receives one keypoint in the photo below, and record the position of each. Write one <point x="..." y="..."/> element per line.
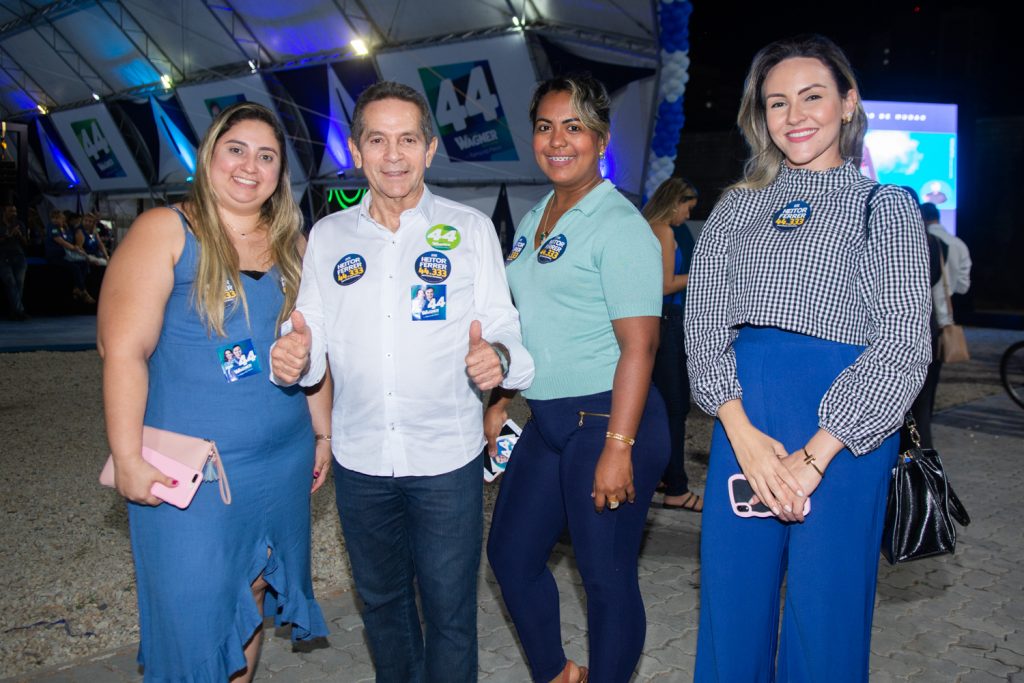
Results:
<point x="289" y="359"/>
<point x="482" y="363"/>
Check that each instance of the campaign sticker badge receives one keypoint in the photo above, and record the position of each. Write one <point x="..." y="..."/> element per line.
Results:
<point x="229" y="291"/>
<point x="238" y="360"/>
<point x="433" y="267"/>
<point x="517" y="249"/>
<point x="349" y="269"/>
<point x="429" y="302"/>
<point x="551" y="250"/>
<point x="443" y="237"/>
<point x="792" y="215"/>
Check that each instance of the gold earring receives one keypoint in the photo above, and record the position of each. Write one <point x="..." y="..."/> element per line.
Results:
<point x="847" y="118"/>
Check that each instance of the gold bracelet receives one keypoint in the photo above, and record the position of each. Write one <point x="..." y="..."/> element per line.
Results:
<point x="620" y="437"/>
<point x="810" y="460"/>
<point x="323" y="437"/>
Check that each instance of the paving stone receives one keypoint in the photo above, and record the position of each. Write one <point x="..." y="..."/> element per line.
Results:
<point x="941" y="619"/>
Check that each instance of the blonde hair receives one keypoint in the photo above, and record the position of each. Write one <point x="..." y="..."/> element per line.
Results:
<point x="765" y="158"/>
<point x="662" y="204"/>
<point x="218" y="259"/>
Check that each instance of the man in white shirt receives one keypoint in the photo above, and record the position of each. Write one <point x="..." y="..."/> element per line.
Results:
<point x="958" y="264"/>
<point x="407" y="417"/>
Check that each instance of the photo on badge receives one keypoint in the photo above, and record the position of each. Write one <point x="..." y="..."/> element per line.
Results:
<point x="238" y="360"/>
<point x="495" y="465"/>
<point x="429" y="302"/>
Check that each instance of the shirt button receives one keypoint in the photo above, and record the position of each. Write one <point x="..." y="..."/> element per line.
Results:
<point x="387" y="355"/>
<point x="389" y="316"/>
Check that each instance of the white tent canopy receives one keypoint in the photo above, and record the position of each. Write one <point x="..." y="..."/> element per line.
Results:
<point x="117" y="92"/>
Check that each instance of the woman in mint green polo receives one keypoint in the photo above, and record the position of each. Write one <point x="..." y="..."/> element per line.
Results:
<point x="585" y="273"/>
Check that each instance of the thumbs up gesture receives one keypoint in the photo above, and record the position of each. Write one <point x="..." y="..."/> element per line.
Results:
<point x="482" y="363"/>
<point x="289" y="358"/>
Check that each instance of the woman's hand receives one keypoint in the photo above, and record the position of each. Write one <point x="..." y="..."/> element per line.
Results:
<point x="613" y="476"/>
<point x="759" y="456"/>
<point x="807" y="477"/>
<point x="494" y="419"/>
<point x="134" y="480"/>
<point x="321" y="464"/>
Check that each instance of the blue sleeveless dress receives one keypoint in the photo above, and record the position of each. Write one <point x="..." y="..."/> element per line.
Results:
<point x="194" y="567"/>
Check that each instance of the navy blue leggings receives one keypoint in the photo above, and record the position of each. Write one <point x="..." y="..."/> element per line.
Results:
<point x="547" y="485"/>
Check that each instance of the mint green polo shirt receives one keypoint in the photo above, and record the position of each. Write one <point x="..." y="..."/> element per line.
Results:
<point x="600" y="263"/>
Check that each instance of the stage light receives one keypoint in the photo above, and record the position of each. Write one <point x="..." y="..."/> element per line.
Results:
<point x="359" y="45"/>
<point x="165" y="80"/>
<point x="253" y="67"/>
<point x="96" y="96"/>
<point x="517" y="22"/>
<point x="42" y="110"/>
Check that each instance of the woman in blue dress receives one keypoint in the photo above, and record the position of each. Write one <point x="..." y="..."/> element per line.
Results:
<point x="188" y="282"/>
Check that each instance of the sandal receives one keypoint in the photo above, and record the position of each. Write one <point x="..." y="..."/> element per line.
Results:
<point x="583" y="671"/>
<point x="691" y="503"/>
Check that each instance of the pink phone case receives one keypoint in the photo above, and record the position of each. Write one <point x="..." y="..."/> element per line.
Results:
<point x="740" y="493"/>
<point x="188" y="479"/>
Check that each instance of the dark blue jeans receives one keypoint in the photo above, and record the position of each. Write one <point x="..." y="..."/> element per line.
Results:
<point x="403" y="532"/>
<point x="547" y="485"/>
<point x="673" y="383"/>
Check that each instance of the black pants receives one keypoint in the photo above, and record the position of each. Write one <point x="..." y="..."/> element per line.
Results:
<point x="673" y="383"/>
<point x="924" y="404"/>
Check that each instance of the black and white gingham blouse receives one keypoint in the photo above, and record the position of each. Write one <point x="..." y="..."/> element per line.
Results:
<point x="827" y="278"/>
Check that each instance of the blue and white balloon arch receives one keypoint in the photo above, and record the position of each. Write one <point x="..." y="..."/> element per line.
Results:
<point x="674" y="34"/>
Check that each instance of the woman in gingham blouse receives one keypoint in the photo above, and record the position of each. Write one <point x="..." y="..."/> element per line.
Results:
<point x="807" y="337"/>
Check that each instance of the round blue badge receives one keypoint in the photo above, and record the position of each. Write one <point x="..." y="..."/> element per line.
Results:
<point x="433" y="267"/>
<point x="517" y="249"/>
<point x="349" y="269"/>
<point x="552" y="249"/>
<point x="792" y="215"/>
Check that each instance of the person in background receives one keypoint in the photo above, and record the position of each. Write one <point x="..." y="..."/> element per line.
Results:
<point x="957" y="258"/>
<point x="807" y="337"/>
<point x="166" y="313"/>
<point x="89" y="240"/>
<point x="586" y="275"/>
<point x="667" y="211"/>
<point x="13" y="240"/>
<point x="62" y="251"/>
<point x="949" y="251"/>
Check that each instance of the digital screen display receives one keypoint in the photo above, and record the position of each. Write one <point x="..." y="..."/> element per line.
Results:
<point x="914" y="144"/>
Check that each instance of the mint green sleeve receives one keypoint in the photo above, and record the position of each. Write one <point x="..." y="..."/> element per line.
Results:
<point x="628" y="257"/>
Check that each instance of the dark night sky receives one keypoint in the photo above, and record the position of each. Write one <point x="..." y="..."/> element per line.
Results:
<point x="971" y="54"/>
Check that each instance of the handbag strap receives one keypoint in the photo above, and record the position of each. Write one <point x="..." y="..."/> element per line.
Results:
<point x="222" y="478"/>
<point x="867" y="210"/>
<point x="945" y="282"/>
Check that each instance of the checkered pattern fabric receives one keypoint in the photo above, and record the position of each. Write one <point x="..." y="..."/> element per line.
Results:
<point x="834" y="276"/>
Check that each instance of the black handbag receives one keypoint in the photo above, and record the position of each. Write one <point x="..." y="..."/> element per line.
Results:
<point x="921" y="507"/>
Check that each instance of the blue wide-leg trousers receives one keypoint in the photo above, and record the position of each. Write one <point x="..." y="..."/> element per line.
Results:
<point x="829" y="563"/>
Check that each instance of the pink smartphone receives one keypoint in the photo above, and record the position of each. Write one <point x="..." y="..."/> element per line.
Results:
<point x="188" y="479"/>
<point x="740" y="494"/>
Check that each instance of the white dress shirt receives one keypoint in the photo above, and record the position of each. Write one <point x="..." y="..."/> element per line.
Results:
<point x="403" y="403"/>
<point x="958" y="273"/>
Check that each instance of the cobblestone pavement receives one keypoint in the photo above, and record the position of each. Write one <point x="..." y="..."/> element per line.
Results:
<point x="957" y="618"/>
